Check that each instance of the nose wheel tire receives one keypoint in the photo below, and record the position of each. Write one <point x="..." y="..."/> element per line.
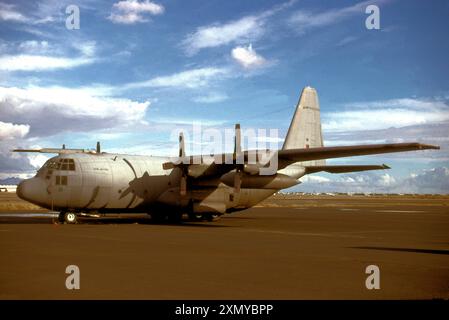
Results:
<point x="67" y="217"/>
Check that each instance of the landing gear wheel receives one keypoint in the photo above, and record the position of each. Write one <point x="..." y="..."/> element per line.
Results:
<point x="195" y="217"/>
<point x="211" y="217"/>
<point x="70" y="217"/>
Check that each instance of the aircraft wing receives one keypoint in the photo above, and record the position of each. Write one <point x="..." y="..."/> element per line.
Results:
<point x="345" y="168"/>
<point x="62" y="150"/>
<point x="289" y="156"/>
<point x="53" y="150"/>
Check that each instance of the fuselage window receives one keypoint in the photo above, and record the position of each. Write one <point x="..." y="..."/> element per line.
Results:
<point x="61" y="180"/>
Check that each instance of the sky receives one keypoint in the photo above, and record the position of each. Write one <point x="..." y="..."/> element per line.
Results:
<point x="135" y="71"/>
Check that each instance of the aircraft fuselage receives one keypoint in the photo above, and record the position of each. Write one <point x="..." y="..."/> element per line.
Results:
<point x="83" y="182"/>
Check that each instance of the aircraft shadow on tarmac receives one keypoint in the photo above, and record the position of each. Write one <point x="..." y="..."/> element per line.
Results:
<point x="431" y="251"/>
<point x="107" y="221"/>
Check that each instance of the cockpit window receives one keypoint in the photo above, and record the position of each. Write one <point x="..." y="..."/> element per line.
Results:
<point x="61" y="164"/>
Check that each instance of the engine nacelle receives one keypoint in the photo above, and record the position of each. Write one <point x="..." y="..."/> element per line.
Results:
<point x="277" y="181"/>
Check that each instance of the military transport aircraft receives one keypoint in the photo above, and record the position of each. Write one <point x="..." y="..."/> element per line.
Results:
<point x="81" y="182"/>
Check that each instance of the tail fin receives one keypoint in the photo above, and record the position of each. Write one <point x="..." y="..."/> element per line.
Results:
<point x="305" y="128"/>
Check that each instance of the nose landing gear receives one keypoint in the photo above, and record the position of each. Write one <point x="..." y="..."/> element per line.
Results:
<point x="67" y="217"/>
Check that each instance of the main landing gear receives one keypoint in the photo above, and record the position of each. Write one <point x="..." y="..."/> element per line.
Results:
<point x="204" y="217"/>
<point x="176" y="217"/>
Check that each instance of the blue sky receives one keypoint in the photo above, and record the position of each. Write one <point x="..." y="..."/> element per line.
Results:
<point x="136" y="70"/>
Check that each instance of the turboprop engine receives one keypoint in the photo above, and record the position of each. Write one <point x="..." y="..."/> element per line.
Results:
<point x="277" y="181"/>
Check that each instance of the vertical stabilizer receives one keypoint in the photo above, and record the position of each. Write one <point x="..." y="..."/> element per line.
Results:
<point x="305" y="128"/>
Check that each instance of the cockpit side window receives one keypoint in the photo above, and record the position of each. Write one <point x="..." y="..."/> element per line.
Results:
<point x="71" y="165"/>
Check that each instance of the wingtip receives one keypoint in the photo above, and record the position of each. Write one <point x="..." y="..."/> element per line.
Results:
<point x="429" y="146"/>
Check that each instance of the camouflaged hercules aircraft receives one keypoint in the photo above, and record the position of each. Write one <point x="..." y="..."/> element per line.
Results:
<point x="85" y="182"/>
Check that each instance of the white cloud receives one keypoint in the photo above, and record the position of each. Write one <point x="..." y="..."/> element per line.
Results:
<point x="33" y="46"/>
<point x="247" y="57"/>
<point x="243" y="30"/>
<point x="15" y="175"/>
<point x="132" y="11"/>
<point x="212" y="97"/>
<point x="9" y="13"/>
<point x="387" y="180"/>
<point x="346" y="40"/>
<point x="13" y="162"/>
<point x="435" y="180"/>
<point x="35" y="55"/>
<point x="24" y="62"/>
<point x="386" y="114"/>
<point x="49" y="110"/>
<point x="193" y="78"/>
<point x="41" y="12"/>
<point x="303" y="20"/>
<point x="87" y="48"/>
<point x="12" y="131"/>
<point x="246" y="29"/>
<point x="37" y="160"/>
<point x="314" y="179"/>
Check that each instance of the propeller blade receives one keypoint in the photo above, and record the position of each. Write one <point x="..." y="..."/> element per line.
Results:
<point x="237" y="181"/>
<point x="182" y="152"/>
<point x="183" y="185"/>
<point x="238" y="144"/>
<point x="239" y="160"/>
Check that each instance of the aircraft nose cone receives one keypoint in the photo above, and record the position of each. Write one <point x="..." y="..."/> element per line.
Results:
<point x="33" y="190"/>
<point x="20" y="190"/>
<point x="30" y="190"/>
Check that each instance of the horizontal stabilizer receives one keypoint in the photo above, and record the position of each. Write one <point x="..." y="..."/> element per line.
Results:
<point x="345" y="168"/>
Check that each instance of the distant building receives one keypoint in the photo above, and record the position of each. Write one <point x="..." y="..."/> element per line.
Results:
<point x="8" y="188"/>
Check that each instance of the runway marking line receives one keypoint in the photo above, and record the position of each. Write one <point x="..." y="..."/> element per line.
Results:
<point x="326" y="235"/>
<point x="400" y="211"/>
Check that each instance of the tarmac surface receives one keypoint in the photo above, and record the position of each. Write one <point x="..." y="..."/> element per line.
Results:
<point x="313" y="248"/>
